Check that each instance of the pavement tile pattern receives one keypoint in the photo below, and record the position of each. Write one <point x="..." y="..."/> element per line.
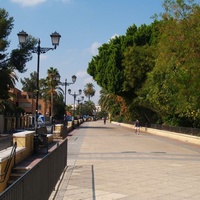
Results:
<point x="109" y="162"/>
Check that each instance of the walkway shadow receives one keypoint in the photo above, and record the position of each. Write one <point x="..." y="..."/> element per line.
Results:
<point x="95" y="127"/>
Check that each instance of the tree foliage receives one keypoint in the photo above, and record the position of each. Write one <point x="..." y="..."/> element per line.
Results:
<point x="171" y="87"/>
<point x="29" y="84"/>
<point x="113" y="104"/>
<point x="89" y="90"/>
<point x="122" y="65"/>
<point x="106" y="68"/>
<point x="87" y="108"/>
<point x="15" y="60"/>
<point x="53" y="91"/>
<point x="155" y="68"/>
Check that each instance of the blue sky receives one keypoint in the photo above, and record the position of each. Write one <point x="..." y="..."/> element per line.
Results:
<point x="84" y="25"/>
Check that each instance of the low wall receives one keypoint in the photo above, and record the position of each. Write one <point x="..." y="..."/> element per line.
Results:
<point x="24" y="139"/>
<point x="24" y="149"/>
<point x="178" y="136"/>
<point x="59" y="131"/>
<point x="40" y="181"/>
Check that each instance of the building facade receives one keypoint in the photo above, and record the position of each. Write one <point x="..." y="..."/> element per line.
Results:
<point x="27" y="101"/>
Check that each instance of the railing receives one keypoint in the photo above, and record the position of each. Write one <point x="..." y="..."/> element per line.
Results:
<point x="12" y="154"/>
<point x="178" y="129"/>
<point x="39" y="182"/>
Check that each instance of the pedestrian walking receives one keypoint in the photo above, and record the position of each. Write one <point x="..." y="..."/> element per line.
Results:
<point x="104" y="120"/>
<point x="137" y="127"/>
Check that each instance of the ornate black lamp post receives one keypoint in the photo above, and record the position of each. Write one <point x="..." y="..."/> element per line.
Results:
<point x="65" y="83"/>
<point x="55" y="38"/>
<point x="74" y="95"/>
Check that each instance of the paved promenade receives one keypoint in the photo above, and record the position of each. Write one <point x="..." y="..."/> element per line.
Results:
<point x="108" y="162"/>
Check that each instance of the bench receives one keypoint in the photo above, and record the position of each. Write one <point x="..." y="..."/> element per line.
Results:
<point x="42" y="138"/>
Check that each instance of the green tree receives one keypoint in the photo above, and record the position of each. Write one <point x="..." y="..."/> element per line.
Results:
<point x="54" y="92"/>
<point x="114" y="105"/>
<point x="122" y="65"/>
<point x="155" y="68"/>
<point x="171" y="86"/>
<point x="106" y="68"/>
<point x="13" y="61"/>
<point x="17" y="59"/>
<point x="59" y="110"/>
<point x="88" y="108"/>
<point x="7" y="80"/>
<point x="29" y="84"/>
<point x="89" y="90"/>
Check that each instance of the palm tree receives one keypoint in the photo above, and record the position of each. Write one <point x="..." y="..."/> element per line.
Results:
<point x="88" y="108"/>
<point x="8" y="78"/>
<point x="113" y="104"/>
<point x="106" y="99"/>
<point x="89" y="90"/>
<point x="53" y="85"/>
<point x="29" y="84"/>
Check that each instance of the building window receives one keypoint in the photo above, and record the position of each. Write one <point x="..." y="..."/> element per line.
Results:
<point x="24" y="104"/>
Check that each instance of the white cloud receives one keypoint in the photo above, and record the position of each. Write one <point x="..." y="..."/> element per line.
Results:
<point x="81" y="74"/>
<point x="85" y="76"/>
<point x="94" y="48"/>
<point x="29" y="2"/>
<point x="114" y="36"/>
<point x="65" y="1"/>
<point x="88" y="80"/>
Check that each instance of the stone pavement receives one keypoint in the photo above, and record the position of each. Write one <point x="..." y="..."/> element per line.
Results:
<point x="111" y="162"/>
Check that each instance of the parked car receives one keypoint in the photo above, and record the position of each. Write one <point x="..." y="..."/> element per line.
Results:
<point x="69" y="118"/>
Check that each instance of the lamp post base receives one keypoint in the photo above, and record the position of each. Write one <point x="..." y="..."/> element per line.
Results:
<point x="51" y="119"/>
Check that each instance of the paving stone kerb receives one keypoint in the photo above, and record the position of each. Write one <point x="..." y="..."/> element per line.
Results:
<point x="174" y="135"/>
<point x="111" y="162"/>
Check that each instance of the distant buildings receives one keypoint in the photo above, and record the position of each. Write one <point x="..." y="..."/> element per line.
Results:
<point x="27" y="101"/>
